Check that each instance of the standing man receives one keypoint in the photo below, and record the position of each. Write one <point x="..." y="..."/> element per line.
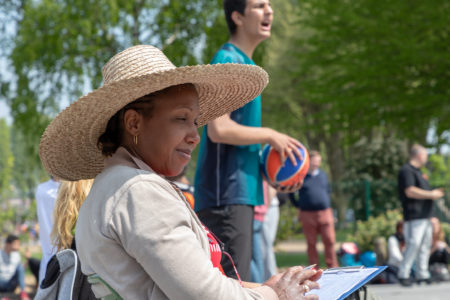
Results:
<point x="228" y="182"/>
<point x="46" y="193"/>
<point x="315" y="212"/>
<point x="12" y="273"/>
<point x="417" y="201"/>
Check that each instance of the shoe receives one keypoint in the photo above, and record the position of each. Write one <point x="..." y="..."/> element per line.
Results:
<point x="428" y="281"/>
<point x="405" y="281"/>
<point x="24" y="296"/>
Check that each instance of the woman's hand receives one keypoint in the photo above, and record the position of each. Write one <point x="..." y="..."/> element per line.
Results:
<point x="294" y="283"/>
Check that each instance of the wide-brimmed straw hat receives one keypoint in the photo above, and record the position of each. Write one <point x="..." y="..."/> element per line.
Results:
<point x="68" y="147"/>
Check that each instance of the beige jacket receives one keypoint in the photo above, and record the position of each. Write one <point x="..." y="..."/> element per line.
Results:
<point x="140" y="235"/>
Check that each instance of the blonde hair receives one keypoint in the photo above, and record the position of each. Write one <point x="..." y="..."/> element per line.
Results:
<point x="71" y="195"/>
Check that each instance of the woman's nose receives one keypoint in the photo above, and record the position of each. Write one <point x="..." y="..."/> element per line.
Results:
<point x="193" y="137"/>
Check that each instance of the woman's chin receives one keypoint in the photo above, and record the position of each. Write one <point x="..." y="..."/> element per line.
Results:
<point x="173" y="172"/>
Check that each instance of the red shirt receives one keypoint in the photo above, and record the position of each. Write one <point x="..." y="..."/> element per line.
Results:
<point x="215" y="250"/>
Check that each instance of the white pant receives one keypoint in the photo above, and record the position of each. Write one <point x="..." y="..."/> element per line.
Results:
<point x="418" y="236"/>
<point x="269" y="234"/>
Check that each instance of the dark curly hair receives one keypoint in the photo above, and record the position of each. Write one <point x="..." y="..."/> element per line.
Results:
<point x="111" y="139"/>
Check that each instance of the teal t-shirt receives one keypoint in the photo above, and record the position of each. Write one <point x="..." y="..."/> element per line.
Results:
<point x="228" y="174"/>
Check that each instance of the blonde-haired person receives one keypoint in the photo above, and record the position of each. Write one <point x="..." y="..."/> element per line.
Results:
<point x="71" y="195"/>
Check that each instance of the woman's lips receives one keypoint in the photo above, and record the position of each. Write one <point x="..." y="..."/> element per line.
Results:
<point x="185" y="153"/>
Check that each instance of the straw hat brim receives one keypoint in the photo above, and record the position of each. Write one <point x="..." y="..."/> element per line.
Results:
<point x="68" y="147"/>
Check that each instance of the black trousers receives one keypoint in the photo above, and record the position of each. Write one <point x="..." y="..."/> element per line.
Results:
<point x="34" y="265"/>
<point x="233" y="225"/>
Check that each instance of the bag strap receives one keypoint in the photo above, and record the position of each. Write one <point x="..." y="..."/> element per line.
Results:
<point x="96" y="279"/>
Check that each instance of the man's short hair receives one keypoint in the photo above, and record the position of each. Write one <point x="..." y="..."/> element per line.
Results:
<point x="313" y="153"/>
<point x="11" y="238"/>
<point x="415" y="150"/>
<point x="229" y="6"/>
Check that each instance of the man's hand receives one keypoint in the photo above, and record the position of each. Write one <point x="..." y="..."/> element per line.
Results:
<point x="285" y="145"/>
<point x="437" y="194"/>
<point x="289" y="189"/>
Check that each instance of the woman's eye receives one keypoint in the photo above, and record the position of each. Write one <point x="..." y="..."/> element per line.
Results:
<point x="181" y="119"/>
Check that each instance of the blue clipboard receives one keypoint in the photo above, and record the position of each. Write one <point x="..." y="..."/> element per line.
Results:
<point x="339" y="283"/>
<point x="364" y="281"/>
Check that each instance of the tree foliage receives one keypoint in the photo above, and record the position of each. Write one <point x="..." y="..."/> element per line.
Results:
<point x="6" y="160"/>
<point x="373" y="166"/>
<point x="378" y="63"/>
<point x="58" y="48"/>
<point x="342" y="73"/>
<point x="348" y="72"/>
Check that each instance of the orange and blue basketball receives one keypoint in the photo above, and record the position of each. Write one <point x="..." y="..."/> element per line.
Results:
<point x="277" y="174"/>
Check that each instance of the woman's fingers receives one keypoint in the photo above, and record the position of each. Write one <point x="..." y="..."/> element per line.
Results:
<point x="302" y="276"/>
<point x="291" y="272"/>
<point x="310" y="285"/>
<point x="317" y="275"/>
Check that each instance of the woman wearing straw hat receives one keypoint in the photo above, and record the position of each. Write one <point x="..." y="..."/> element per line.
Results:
<point x="135" y="229"/>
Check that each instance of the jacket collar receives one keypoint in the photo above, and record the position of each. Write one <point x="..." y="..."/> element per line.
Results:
<point x="123" y="157"/>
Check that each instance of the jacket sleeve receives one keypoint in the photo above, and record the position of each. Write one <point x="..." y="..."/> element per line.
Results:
<point x="155" y="227"/>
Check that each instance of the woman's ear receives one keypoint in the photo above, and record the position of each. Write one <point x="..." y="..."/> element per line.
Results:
<point x="132" y="121"/>
<point x="237" y="18"/>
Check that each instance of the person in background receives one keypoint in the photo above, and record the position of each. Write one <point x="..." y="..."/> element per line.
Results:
<point x="396" y="247"/>
<point x="315" y="212"/>
<point x="417" y="199"/>
<point x="228" y="182"/>
<point x="183" y="184"/>
<point x="33" y="264"/>
<point x="12" y="272"/>
<point x="440" y="252"/>
<point x="71" y="196"/>
<point x="45" y="201"/>
<point x="439" y="246"/>
<point x="270" y="231"/>
<point x="257" y="263"/>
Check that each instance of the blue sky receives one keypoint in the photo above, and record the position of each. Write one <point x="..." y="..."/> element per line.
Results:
<point x="4" y="112"/>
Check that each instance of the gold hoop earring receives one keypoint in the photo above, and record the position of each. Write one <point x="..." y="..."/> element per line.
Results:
<point x="136" y="140"/>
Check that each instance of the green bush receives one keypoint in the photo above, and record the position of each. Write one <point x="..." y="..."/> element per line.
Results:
<point x="288" y="226"/>
<point x="380" y="226"/>
<point x="446" y="228"/>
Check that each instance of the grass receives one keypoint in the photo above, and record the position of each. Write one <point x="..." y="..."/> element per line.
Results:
<point x="285" y="260"/>
<point x="341" y="235"/>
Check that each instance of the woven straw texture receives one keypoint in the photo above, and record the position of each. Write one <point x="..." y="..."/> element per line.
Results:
<point x="68" y="147"/>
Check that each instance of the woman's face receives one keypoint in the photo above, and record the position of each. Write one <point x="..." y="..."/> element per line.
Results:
<point x="169" y="136"/>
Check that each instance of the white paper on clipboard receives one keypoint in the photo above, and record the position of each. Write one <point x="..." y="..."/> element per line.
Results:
<point x="338" y="283"/>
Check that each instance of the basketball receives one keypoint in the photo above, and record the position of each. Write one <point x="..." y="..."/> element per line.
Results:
<point x="287" y="175"/>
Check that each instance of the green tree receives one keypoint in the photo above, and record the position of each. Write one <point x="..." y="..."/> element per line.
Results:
<point x="343" y="70"/>
<point x="373" y="169"/>
<point x="6" y="161"/>
<point x="377" y="63"/>
<point x="57" y="50"/>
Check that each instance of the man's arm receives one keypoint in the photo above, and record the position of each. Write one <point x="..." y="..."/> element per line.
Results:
<point x="226" y="131"/>
<point x="421" y="194"/>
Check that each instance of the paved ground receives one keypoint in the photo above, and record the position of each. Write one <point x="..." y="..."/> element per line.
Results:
<point x="436" y="291"/>
<point x="299" y="246"/>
